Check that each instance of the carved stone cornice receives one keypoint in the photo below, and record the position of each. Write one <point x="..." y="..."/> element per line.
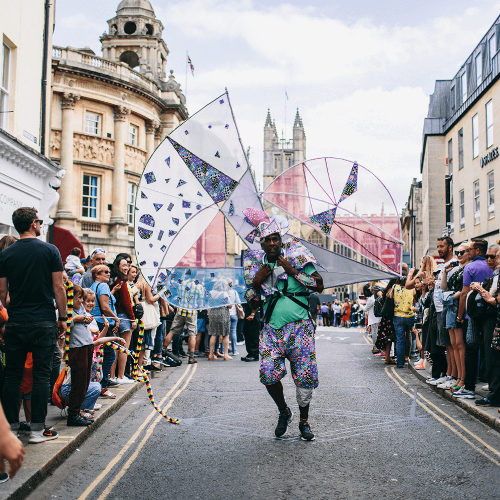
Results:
<point x="121" y="112"/>
<point x="69" y="99"/>
<point x="151" y="126"/>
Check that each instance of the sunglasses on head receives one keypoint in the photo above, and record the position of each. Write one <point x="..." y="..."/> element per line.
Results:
<point x="460" y="252"/>
<point x="491" y="256"/>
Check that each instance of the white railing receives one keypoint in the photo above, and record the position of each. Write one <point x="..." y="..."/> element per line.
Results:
<point x="56" y="53"/>
<point x="98" y="62"/>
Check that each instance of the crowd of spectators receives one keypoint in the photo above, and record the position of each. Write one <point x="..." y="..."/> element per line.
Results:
<point x="346" y="314"/>
<point x="448" y="315"/>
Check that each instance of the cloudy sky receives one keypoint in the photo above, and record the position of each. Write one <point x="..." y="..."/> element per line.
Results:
<point x="359" y="71"/>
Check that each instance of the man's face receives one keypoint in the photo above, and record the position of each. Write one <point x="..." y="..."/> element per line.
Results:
<point x="98" y="259"/>
<point x="271" y="245"/>
<point x="442" y="248"/>
<point x="473" y="251"/>
<point x="38" y="227"/>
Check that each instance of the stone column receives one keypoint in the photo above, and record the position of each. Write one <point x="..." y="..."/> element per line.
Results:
<point x="118" y="210"/>
<point x="112" y="56"/>
<point x="158" y="136"/>
<point x="105" y="53"/>
<point x="67" y="209"/>
<point x="151" y="126"/>
<point x="144" y="58"/>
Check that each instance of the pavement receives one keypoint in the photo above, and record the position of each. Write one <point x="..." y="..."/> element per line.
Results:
<point x="380" y="433"/>
<point x="42" y="459"/>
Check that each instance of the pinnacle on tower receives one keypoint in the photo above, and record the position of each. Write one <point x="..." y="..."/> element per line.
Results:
<point x="269" y="122"/>
<point x="298" y="121"/>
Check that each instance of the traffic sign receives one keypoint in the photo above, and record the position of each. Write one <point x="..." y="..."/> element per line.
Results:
<point x="388" y="256"/>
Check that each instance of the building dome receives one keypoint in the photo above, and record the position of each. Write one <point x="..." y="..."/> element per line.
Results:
<point x="135" y="8"/>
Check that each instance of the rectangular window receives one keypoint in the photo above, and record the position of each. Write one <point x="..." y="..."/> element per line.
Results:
<point x="461" y="149"/>
<point x="452" y="98"/>
<point x="463" y="85"/>
<point x="277" y="161"/>
<point x="493" y="48"/>
<point x="490" y="180"/>
<point x="452" y="213"/>
<point x="5" y="87"/>
<point x="489" y="124"/>
<point x="461" y="201"/>
<point x="450" y="157"/>
<point x="131" y="194"/>
<point x="90" y="197"/>
<point x="479" y="69"/>
<point x="288" y="161"/>
<point x="132" y="135"/>
<point x="93" y="123"/>
<point x="477" y="203"/>
<point x="475" y="136"/>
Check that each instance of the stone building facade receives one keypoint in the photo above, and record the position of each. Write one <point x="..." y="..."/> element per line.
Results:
<point x="108" y="115"/>
<point x="459" y="160"/>
<point x="411" y="225"/>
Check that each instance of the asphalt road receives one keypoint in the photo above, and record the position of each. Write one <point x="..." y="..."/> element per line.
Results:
<point x="380" y="433"/>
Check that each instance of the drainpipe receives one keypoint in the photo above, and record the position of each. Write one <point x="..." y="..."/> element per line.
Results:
<point x="44" y="76"/>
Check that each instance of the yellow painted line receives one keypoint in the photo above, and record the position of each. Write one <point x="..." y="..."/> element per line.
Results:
<point x="446" y="424"/>
<point x="367" y="340"/>
<point x="134" y="455"/>
<point x="394" y="372"/>
<point x="131" y="441"/>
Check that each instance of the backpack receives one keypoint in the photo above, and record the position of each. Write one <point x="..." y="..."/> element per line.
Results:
<point x="377" y="307"/>
<point x="56" y="398"/>
<point x="476" y="307"/>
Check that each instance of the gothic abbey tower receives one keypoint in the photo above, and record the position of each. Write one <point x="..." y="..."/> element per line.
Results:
<point x="280" y="154"/>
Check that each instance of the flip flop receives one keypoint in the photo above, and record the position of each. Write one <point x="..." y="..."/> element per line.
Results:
<point x="105" y="393"/>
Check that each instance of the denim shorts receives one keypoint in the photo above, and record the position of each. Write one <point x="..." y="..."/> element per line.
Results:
<point x="451" y="315"/>
<point x="125" y="324"/>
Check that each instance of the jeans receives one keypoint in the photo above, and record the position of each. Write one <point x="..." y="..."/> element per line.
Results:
<point x="158" y="339"/>
<point x="21" y="338"/>
<point x="402" y="327"/>
<point x="232" y="332"/>
<point x="93" y="392"/>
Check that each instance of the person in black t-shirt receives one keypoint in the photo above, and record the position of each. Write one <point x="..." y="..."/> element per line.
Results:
<point x="31" y="273"/>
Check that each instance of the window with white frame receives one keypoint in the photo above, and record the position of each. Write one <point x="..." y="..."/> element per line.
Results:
<point x="461" y="201"/>
<point x="475" y="136"/>
<point x="489" y="124"/>
<point x="493" y="48"/>
<point x="5" y="87"/>
<point x="131" y="194"/>
<point x="477" y="203"/>
<point x="479" y="69"/>
<point x="90" y="196"/>
<point x="132" y="135"/>
<point x="93" y="123"/>
<point x="463" y="85"/>
<point x="461" y="149"/>
<point x="452" y="213"/>
<point x="490" y="182"/>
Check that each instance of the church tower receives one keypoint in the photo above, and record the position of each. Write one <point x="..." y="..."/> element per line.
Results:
<point x="134" y="37"/>
<point x="280" y="154"/>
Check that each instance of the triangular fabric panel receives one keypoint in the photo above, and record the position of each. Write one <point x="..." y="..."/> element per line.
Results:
<point x="351" y="184"/>
<point x="218" y="185"/>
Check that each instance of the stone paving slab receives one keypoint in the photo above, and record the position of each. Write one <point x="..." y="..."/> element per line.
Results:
<point x="42" y="458"/>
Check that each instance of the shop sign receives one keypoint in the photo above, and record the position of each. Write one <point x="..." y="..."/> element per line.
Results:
<point x="489" y="157"/>
<point x="11" y="199"/>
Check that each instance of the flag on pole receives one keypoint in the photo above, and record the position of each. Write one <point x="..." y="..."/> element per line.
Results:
<point x="286" y="95"/>
<point x="190" y="64"/>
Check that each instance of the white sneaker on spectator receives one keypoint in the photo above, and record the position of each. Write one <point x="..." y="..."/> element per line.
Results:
<point x="464" y="393"/>
<point x="485" y="387"/>
<point x="124" y="380"/>
<point x="43" y="435"/>
<point x="418" y="362"/>
<point x="240" y="343"/>
<point x="447" y="384"/>
<point x="97" y="406"/>
<point x="113" y="380"/>
<point x="437" y="381"/>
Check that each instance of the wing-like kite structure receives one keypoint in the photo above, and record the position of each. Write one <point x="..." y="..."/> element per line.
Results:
<point x="198" y="181"/>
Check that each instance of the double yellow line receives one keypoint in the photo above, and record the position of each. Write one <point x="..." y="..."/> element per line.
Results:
<point x="131" y="441"/>
<point x="394" y="377"/>
<point x="367" y="339"/>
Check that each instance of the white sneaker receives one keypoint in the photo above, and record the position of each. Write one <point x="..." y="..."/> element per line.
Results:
<point x="236" y="353"/>
<point x="113" y="380"/>
<point x="43" y="435"/>
<point x="97" y="406"/>
<point x="447" y="384"/>
<point x="485" y="387"/>
<point x="124" y="380"/>
<point x="437" y="381"/>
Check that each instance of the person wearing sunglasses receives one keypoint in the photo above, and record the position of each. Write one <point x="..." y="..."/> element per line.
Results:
<point x="31" y="271"/>
<point x="105" y="307"/>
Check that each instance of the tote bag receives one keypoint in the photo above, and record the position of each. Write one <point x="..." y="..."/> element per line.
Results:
<point x="151" y="316"/>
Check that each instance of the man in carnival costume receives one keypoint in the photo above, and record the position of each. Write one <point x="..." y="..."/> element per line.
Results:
<point x="281" y="276"/>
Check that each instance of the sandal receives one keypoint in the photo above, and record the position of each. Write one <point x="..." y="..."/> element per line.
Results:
<point x="106" y="393"/>
<point x="390" y="362"/>
<point x="227" y="358"/>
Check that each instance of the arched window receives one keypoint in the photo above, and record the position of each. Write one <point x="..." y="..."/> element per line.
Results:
<point x="131" y="58"/>
<point x="149" y="29"/>
<point x="316" y="239"/>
